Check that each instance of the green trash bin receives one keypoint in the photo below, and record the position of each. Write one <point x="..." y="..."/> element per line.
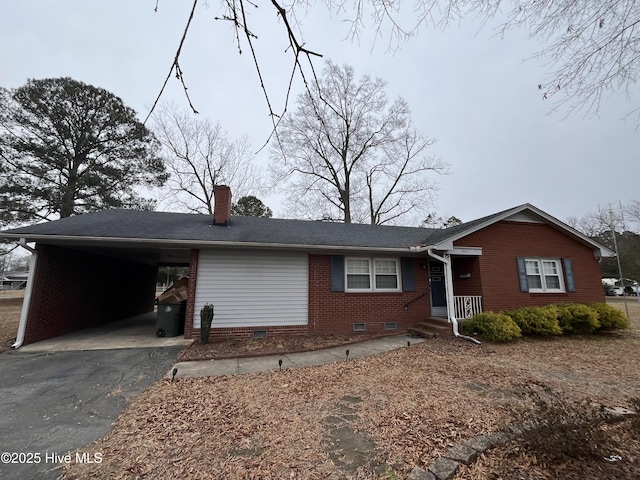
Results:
<point x="170" y="322"/>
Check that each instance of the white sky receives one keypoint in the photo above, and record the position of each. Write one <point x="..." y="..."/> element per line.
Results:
<point x="471" y="91"/>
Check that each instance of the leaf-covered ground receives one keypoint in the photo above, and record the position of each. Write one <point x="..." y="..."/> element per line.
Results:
<point x="232" y="347"/>
<point x="10" y="307"/>
<point x="373" y="418"/>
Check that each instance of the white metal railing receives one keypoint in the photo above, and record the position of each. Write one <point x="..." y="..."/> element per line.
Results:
<point x="467" y="306"/>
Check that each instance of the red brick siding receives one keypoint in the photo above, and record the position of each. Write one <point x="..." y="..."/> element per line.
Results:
<point x="222" y="204"/>
<point x="75" y="290"/>
<point x="336" y="312"/>
<point x="248" y="331"/>
<point x="467" y="286"/>
<point x="191" y="295"/>
<point x="504" y="241"/>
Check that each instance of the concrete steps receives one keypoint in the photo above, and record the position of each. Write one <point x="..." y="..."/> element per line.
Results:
<point x="432" y="328"/>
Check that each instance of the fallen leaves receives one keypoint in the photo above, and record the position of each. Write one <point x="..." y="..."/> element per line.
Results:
<point x="413" y="404"/>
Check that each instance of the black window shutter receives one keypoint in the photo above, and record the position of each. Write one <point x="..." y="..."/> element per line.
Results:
<point x="568" y="274"/>
<point x="337" y="273"/>
<point x="522" y="274"/>
<point x="408" y="274"/>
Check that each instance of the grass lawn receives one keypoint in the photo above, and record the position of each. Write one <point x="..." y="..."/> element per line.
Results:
<point x="381" y="416"/>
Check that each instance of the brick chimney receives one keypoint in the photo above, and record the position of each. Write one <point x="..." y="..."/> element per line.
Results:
<point x="222" y="205"/>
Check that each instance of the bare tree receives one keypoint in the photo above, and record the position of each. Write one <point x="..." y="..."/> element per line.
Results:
<point x="433" y="220"/>
<point x="199" y="155"/>
<point x="632" y="210"/>
<point x="594" y="224"/>
<point x="347" y="155"/>
<point x="593" y="47"/>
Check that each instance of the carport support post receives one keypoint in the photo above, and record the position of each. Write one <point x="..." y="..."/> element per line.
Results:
<point x="26" y="302"/>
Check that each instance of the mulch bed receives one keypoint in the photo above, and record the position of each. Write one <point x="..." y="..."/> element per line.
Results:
<point x="241" y="347"/>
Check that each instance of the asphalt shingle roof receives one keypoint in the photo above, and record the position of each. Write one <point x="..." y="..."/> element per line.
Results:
<point x="196" y="229"/>
<point x="135" y="224"/>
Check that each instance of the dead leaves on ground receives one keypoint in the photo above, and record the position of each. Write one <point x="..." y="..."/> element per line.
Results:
<point x="413" y="404"/>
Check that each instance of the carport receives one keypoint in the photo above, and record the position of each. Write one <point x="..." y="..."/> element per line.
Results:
<point x="80" y="284"/>
<point x="134" y="332"/>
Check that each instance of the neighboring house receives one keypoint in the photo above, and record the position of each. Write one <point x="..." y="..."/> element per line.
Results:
<point x="294" y="276"/>
<point x="14" y="281"/>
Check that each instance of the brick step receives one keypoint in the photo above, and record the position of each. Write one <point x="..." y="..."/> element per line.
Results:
<point x="431" y="328"/>
<point x="420" y="332"/>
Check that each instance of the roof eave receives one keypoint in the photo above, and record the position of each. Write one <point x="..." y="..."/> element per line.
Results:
<point x="196" y="243"/>
<point x="599" y="250"/>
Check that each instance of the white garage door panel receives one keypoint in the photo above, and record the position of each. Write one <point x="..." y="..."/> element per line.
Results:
<point x="252" y="288"/>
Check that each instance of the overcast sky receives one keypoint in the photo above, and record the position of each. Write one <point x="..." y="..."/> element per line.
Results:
<point x="472" y="91"/>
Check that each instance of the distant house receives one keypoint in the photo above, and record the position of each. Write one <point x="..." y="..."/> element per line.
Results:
<point x="293" y="276"/>
<point x="14" y="281"/>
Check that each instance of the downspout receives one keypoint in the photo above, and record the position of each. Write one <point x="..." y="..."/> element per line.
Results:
<point x="26" y="303"/>
<point x="448" y="276"/>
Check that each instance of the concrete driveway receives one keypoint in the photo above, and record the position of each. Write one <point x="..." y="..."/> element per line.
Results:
<point x="56" y="402"/>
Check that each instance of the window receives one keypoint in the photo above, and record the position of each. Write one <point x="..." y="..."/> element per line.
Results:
<point x="544" y="275"/>
<point x="358" y="274"/>
<point x="372" y="274"/>
<point x="386" y="274"/>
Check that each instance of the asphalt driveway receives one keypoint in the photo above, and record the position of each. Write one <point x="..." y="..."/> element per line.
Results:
<point x="52" y="403"/>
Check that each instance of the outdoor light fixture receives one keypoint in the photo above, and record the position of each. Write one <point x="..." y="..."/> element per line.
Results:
<point x="465" y="275"/>
<point x="174" y="373"/>
<point x="347" y="354"/>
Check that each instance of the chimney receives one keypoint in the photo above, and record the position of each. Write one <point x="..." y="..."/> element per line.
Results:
<point x="222" y="205"/>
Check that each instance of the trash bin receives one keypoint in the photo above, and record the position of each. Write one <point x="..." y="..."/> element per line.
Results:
<point x="170" y="322"/>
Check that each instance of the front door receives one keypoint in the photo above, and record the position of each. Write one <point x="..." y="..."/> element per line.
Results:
<point x="438" y="289"/>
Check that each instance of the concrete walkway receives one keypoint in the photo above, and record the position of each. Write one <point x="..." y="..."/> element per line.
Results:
<point x="234" y="366"/>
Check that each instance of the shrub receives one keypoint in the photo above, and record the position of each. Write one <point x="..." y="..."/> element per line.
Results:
<point x="206" y="317"/>
<point x="635" y="419"/>
<point x="537" y="320"/>
<point x="609" y="317"/>
<point x="495" y="327"/>
<point x="577" y="318"/>
<point x="557" y="427"/>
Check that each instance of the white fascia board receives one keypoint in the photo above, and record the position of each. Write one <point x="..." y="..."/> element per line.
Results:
<point x="601" y="249"/>
<point x="121" y="241"/>
<point x="465" y="251"/>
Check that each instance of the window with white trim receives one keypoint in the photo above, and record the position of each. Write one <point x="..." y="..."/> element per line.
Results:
<point x="372" y="274"/>
<point x="544" y="275"/>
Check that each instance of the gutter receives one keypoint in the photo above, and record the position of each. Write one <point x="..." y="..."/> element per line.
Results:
<point x="194" y="243"/>
<point x="26" y="303"/>
<point x="448" y="275"/>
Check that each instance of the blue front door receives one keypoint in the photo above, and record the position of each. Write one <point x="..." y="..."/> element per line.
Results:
<point x="438" y="289"/>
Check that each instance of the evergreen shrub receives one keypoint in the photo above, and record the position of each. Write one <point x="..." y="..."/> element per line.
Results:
<point x="495" y="327"/>
<point x="537" y="320"/>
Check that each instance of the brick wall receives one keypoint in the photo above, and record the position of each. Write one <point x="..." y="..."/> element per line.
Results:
<point x="504" y="241"/>
<point x="467" y="286"/>
<point x="191" y="295"/>
<point x="336" y="312"/>
<point x="74" y="289"/>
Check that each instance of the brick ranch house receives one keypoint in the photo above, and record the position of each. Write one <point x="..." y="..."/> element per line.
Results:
<point x="294" y="276"/>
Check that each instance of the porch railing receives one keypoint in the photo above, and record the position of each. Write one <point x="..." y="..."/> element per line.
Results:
<point x="467" y="306"/>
